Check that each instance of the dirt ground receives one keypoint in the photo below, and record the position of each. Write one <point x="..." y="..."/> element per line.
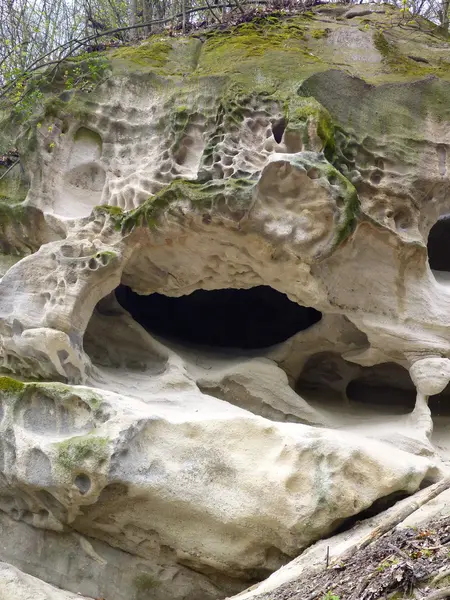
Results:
<point x="404" y="563"/>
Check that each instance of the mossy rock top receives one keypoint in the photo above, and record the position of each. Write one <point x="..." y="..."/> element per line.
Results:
<point x="274" y="51"/>
<point x="360" y="86"/>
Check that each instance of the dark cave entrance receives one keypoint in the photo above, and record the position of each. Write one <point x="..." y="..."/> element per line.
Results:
<point x="438" y="245"/>
<point x="247" y="319"/>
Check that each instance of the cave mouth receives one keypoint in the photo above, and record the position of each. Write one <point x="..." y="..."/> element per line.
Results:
<point x="329" y="380"/>
<point x="246" y="319"/>
<point x="438" y="249"/>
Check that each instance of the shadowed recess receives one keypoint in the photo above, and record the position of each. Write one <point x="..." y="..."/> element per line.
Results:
<point x="438" y="246"/>
<point x="387" y="385"/>
<point x="330" y="380"/>
<point x="229" y="318"/>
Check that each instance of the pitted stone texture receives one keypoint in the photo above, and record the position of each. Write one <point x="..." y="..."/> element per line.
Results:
<point x="431" y="375"/>
<point x="205" y="482"/>
<point x="73" y="275"/>
<point x="88" y="566"/>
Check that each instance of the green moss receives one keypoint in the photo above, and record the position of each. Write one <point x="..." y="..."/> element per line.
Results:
<point x="144" y="583"/>
<point x="399" y="63"/>
<point x="234" y="194"/>
<point x="11" y="386"/>
<point x="153" y="53"/>
<point x="11" y="213"/>
<point x="13" y="186"/>
<point x="74" y="451"/>
<point x="106" y="254"/>
<point x="319" y="34"/>
<point x="300" y="111"/>
<point x="352" y="209"/>
<point x="260" y="55"/>
<point x="113" y="211"/>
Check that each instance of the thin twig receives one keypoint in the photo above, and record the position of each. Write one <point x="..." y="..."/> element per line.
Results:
<point x="439" y="594"/>
<point x="440" y="576"/>
<point x="9" y="169"/>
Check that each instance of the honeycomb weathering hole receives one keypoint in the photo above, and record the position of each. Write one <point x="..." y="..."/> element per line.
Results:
<point x="438" y="249"/>
<point x="228" y="318"/>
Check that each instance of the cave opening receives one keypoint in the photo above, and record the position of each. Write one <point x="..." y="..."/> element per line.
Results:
<point x="438" y="249"/>
<point x="387" y="388"/>
<point x="247" y="319"/>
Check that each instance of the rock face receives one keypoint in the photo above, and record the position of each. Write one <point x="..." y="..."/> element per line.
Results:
<point x="298" y="165"/>
<point x="15" y="585"/>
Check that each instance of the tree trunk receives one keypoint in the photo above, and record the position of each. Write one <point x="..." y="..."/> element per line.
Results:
<point x="147" y="14"/>
<point x="444" y="16"/>
<point x="132" y="17"/>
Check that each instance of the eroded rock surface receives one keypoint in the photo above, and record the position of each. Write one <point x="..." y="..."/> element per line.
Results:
<point x="15" y="585"/>
<point x="306" y="154"/>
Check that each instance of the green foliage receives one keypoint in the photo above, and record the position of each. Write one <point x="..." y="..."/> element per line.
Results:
<point x="25" y="98"/>
<point x="30" y="95"/>
<point x="386" y="564"/>
<point x="330" y="596"/>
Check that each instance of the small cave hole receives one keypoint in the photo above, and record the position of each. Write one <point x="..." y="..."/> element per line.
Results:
<point x="83" y="483"/>
<point x="438" y="247"/>
<point x="253" y="318"/>
<point x="313" y="173"/>
<point x="379" y="163"/>
<point x="440" y="404"/>
<point x="388" y="386"/>
<point x="402" y="220"/>
<point x="333" y="382"/>
<point x="376" y="177"/>
<point x="278" y="129"/>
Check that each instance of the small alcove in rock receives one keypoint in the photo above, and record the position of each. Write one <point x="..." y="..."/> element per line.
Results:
<point x="438" y="246"/>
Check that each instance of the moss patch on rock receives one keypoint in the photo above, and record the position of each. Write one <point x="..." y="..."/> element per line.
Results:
<point x="11" y="387"/>
<point x="144" y="584"/>
<point x="302" y="111"/>
<point x="265" y="54"/>
<point x="154" y="53"/>
<point x="397" y="62"/>
<point x="13" y="184"/>
<point x="168" y="56"/>
<point x="232" y="196"/>
<point x="75" y="451"/>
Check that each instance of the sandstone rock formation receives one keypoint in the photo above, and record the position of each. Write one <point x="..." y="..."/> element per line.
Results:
<point x="14" y="584"/>
<point x="219" y="325"/>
